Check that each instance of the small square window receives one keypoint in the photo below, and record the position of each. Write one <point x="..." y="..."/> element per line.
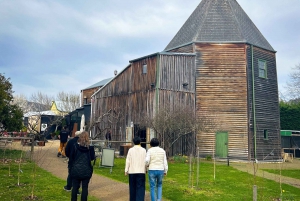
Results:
<point x="262" y="68"/>
<point x="145" y="69"/>
<point x="265" y="134"/>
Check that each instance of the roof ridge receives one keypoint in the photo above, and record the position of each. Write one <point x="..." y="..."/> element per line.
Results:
<point x="205" y="15"/>
<point x="236" y="20"/>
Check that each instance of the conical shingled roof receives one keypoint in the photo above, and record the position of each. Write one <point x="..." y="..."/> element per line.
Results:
<point x="219" y="21"/>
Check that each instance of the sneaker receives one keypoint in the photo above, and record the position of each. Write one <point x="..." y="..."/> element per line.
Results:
<point x="58" y="154"/>
<point x="67" y="189"/>
<point x="78" y="193"/>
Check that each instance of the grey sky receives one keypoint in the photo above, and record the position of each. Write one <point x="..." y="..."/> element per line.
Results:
<point x="53" y="46"/>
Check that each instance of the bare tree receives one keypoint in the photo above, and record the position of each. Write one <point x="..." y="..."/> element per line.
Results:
<point x="68" y="102"/>
<point x="104" y="122"/>
<point x="42" y="99"/>
<point x="22" y="102"/>
<point x="293" y="85"/>
<point x="173" y="124"/>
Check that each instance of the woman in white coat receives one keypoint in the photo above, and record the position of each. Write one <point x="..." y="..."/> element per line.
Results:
<point x="156" y="159"/>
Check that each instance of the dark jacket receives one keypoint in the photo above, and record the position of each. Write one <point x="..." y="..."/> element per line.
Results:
<point x="108" y="136"/>
<point x="69" y="147"/>
<point x="63" y="136"/>
<point x="81" y="149"/>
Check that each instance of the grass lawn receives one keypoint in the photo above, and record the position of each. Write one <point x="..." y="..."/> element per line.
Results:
<point x="46" y="186"/>
<point x="287" y="173"/>
<point x="229" y="184"/>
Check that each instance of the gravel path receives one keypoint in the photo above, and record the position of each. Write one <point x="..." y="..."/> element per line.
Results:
<point x="100" y="187"/>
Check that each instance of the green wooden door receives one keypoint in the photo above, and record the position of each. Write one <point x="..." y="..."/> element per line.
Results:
<point x="222" y="144"/>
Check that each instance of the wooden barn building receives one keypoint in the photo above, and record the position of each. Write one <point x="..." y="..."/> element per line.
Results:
<point x="219" y="64"/>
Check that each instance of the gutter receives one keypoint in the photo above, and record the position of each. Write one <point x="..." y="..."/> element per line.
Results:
<point x="253" y="104"/>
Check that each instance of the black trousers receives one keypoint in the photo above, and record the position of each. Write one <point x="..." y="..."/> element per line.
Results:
<point x="76" y="185"/>
<point x="137" y="187"/>
<point x="69" y="180"/>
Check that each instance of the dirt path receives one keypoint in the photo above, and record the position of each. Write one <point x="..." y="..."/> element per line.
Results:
<point x="249" y="168"/>
<point x="100" y="187"/>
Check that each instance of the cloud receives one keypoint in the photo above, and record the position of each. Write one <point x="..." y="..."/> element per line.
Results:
<point x="69" y="45"/>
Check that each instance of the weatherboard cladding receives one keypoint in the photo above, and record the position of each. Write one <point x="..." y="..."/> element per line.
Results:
<point x="266" y="105"/>
<point x="221" y="94"/>
<point x="219" y="21"/>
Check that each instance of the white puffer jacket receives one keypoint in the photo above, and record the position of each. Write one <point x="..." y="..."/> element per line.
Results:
<point x="156" y="159"/>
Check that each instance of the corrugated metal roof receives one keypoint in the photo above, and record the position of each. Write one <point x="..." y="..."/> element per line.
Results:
<point x="160" y="53"/>
<point x="99" y="84"/>
<point x="48" y="112"/>
<point x="219" y="21"/>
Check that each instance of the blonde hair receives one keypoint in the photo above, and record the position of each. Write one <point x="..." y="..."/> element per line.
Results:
<point x="83" y="139"/>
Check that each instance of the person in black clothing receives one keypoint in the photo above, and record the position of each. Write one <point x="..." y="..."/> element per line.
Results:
<point x="81" y="168"/>
<point x="63" y="137"/>
<point x="108" y="138"/>
<point x="70" y="146"/>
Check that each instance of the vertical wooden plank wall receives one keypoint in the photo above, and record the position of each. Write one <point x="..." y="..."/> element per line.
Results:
<point x="221" y="94"/>
<point x="133" y="92"/>
<point x="130" y="92"/>
<point x="175" y="70"/>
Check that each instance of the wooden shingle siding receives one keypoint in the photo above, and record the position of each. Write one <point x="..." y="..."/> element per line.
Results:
<point x="266" y="106"/>
<point x="221" y="93"/>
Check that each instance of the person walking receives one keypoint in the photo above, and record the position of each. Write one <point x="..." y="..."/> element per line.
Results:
<point x="108" y="138"/>
<point x="156" y="159"/>
<point x="63" y="137"/>
<point x="136" y="169"/>
<point x="70" y="146"/>
<point x="81" y="168"/>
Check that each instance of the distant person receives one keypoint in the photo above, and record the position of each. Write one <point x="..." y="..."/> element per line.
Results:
<point x="108" y="138"/>
<point x="70" y="146"/>
<point x="63" y="137"/>
<point x="156" y="159"/>
<point x="81" y="167"/>
<point x="136" y="169"/>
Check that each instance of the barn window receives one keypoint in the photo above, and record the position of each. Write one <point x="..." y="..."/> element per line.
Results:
<point x="145" y="69"/>
<point x="262" y="68"/>
<point x="265" y="134"/>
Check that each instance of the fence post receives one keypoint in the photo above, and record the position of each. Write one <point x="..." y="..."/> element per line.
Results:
<point x="32" y="148"/>
<point x="190" y="175"/>
<point x="227" y="160"/>
<point x="198" y="164"/>
<point x="254" y="193"/>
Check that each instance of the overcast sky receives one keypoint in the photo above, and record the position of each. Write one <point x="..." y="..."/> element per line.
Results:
<point x="52" y="46"/>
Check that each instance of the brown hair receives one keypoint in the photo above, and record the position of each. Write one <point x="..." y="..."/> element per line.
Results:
<point x="83" y="139"/>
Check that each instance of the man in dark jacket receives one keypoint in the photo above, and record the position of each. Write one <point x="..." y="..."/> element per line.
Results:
<point x="108" y="138"/>
<point x="69" y="148"/>
<point x="63" y="137"/>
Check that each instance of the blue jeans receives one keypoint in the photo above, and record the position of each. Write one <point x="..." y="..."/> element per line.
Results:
<point x="155" y="179"/>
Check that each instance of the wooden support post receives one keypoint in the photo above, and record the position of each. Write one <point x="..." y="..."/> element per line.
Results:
<point x="32" y="148"/>
<point x="198" y="164"/>
<point x="254" y="193"/>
